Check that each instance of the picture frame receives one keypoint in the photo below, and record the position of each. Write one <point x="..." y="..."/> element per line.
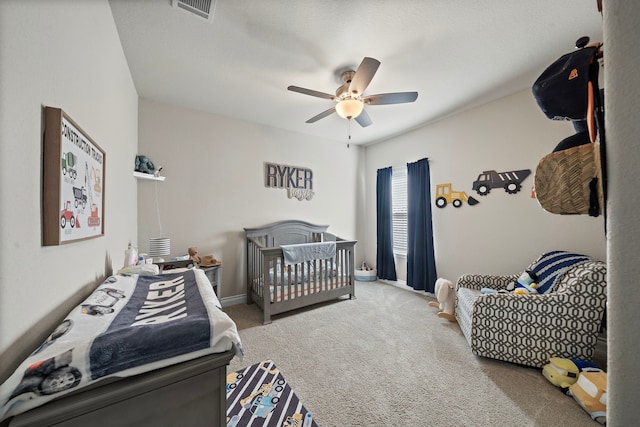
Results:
<point x="73" y="181"/>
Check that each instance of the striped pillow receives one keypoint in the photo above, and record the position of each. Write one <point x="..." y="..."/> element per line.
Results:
<point x="552" y="265"/>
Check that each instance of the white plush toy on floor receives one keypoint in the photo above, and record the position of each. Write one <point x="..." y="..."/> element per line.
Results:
<point x="446" y="295"/>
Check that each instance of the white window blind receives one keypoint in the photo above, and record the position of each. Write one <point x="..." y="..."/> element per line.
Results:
<point x="399" y="210"/>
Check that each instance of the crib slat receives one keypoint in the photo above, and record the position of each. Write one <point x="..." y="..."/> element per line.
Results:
<point x="312" y="277"/>
<point x="328" y="273"/>
<point x="316" y="277"/>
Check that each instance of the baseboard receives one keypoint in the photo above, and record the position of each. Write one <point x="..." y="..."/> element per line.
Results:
<point x="234" y="300"/>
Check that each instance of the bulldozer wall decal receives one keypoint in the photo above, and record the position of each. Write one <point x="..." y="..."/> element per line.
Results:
<point x="445" y="195"/>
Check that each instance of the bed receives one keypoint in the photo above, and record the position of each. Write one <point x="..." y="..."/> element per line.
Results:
<point x="141" y="350"/>
<point x="278" y="283"/>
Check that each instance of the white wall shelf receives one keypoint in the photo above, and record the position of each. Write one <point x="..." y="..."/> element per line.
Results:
<point x="141" y="175"/>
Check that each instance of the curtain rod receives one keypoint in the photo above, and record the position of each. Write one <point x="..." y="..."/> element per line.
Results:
<point x="405" y="165"/>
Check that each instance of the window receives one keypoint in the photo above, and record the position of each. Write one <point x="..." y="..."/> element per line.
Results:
<point x="399" y="210"/>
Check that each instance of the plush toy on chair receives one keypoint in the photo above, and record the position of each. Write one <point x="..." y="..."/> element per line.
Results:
<point x="526" y="283"/>
<point x="446" y="295"/>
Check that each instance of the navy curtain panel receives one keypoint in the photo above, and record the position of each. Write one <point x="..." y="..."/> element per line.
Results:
<point x="421" y="263"/>
<point x="385" y="263"/>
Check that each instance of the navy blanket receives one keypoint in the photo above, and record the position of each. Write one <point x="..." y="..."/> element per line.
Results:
<point x="165" y="317"/>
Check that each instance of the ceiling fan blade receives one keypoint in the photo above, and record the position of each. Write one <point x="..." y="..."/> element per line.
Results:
<point x="363" y="119"/>
<point x="311" y="92"/>
<point x="365" y="72"/>
<point x="322" y="115"/>
<point x="391" y="98"/>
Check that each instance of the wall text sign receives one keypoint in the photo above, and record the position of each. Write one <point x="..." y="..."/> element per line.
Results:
<point x="298" y="181"/>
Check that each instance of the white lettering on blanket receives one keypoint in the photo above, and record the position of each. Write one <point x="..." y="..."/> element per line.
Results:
<point x="163" y="296"/>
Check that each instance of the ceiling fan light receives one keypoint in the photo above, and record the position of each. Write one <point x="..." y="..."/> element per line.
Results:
<point x="349" y="108"/>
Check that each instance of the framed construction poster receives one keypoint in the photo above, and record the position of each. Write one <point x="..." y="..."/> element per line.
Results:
<point x="73" y="182"/>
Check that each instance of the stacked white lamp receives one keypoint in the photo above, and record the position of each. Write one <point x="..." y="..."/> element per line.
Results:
<point x="159" y="247"/>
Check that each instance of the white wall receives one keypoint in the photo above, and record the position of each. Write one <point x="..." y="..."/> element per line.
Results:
<point x="504" y="232"/>
<point x="215" y="185"/>
<point x="64" y="54"/>
<point x="622" y="86"/>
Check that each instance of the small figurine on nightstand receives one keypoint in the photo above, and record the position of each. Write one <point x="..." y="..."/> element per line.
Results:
<point x="193" y="254"/>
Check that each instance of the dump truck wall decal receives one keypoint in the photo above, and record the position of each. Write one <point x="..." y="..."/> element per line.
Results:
<point x="511" y="181"/>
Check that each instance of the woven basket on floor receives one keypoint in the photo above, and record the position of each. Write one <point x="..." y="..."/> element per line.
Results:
<point x="567" y="181"/>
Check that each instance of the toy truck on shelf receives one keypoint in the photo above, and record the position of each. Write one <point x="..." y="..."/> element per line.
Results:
<point x="444" y="195"/>
<point x="511" y="181"/>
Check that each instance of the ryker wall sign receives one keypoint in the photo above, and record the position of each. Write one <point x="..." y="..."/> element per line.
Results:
<point x="297" y="180"/>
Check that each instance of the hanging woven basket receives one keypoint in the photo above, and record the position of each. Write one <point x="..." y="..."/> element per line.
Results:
<point x="568" y="182"/>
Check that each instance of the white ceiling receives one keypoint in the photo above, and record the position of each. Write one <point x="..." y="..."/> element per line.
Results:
<point x="455" y="53"/>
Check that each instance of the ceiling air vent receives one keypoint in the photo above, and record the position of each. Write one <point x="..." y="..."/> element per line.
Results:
<point x="202" y="8"/>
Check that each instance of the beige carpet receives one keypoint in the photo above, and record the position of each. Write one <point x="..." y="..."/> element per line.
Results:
<point x="386" y="359"/>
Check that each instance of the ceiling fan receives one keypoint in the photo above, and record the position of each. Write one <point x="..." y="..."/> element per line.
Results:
<point x="349" y="97"/>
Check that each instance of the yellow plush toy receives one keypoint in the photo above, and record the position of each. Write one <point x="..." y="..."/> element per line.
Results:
<point x="563" y="372"/>
<point x="590" y="391"/>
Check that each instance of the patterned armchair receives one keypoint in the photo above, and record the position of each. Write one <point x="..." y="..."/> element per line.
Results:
<point x="528" y="329"/>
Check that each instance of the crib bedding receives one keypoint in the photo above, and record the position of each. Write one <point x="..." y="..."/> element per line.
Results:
<point x="284" y="293"/>
<point x="129" y="325"/>
<point x="295" y="289"/>
<point x="306" y="278"/>
<point x="296" y="254"/>
<point x="303" y="272"/>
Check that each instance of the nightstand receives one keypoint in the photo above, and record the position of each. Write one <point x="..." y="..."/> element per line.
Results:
<point x="214" y="274"/>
